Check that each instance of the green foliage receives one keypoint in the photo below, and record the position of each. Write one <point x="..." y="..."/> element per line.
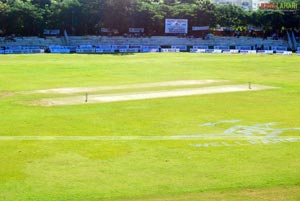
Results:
<point x="63" y="14"/>
<point x="232" y="16"/>
<point x="22" y="16"/>
<point x="80" y="17"/>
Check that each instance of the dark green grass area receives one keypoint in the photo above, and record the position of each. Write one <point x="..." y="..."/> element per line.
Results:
<point x="102" y="170"/>
<point x="147" y="170"/>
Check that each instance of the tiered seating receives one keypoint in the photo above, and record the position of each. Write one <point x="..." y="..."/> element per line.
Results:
<point x="124" y="48"/>
<point x="265" y="50"/>
<point x="298" y="51"/>
<point x="246" y="41"/>
<point x="153" y="41"/>
<point x="199" y="49"/>
<point x="104" y="49"/>
<point x="99" y="44"/>
<point x="231" y="51"/>
<point x="182" y="48"/>
<point x="59" y="49"/>
<point x="23" y="50"/>
<point x="85" y="49"/>
<point x="32" y="41"/>
<point x="84" y="40"/>
<point x="173" y="40"/>
<point x="220" y="49"/>
<point x="246" y="49"/>
<point x="150" y="48"/>
<point x="129" y="50"/>
<point x="281" y="50"/>
<point x="170" y="50"/>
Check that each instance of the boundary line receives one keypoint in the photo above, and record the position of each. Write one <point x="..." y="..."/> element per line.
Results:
<point x="148" y="138"/>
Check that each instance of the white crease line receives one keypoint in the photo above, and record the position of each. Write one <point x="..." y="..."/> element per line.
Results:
<point x="143" y="138"/>
<point x="132" y="86"/>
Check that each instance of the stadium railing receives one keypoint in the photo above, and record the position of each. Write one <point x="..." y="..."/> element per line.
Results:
<point x="182" y="48"/>
<point x="57" y="49"/>
<point x="150" y="48"/>
<point x="199" y="49"/>
<point x="85" y="49"/>
<point x="245" y="50"/>
<point x="23" y="50"/>
<point x="118" y="47"/>
<point x="265" y="51"/>
<point x="281" y="50"/>
<point x="232" y="51"/>
<point x="286" y="53"/>
<point x="136" y="46"/>
<point x="220" y="49"/>
<point x="104" y="49"/>
<point x="170" y="50"/>
<point x="216" y="51"/>
<point x="129" y="50"/>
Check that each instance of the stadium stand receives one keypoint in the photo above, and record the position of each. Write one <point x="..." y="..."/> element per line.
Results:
<point x="126" y="48"/>
<point x="154" y="40"/>
<point x="243" y="48"/>
<point x="149" y="48"/>
<point x="33" y="41"/>
<point x="174" y="40"/>
<point x="287" y="53"/>
<point x="221" y="49"/>
<point x="170" y="50"/>
<point x="23" y="50"/>
<point x="281" y="50"/>
<point x="112" y="44"/>
<point x="121" y="48"/>
<point x="246" y="50"/>
<point x="59" y="49"/>
<point x="182" y="48"/>
<point x="235" y="51"/>
<point x="136" y="46"/>
<point x="129" y="50"/>
<point x="104" y="49"/>
<point x="216" y="51"/>
<point x="199" y="49"/>
<point x="85" y="49"/>
<point x="265" y="51"/>
<point x="298" y="51"/>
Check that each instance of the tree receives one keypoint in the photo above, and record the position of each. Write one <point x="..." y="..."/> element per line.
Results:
<point x="232" y="16"/>
<point x="63" y="14"/>
<point x="30" y="17"/>
<point x="23" y="17"/>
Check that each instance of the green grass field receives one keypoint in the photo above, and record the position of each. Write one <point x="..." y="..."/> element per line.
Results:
<point x="220" y="168"/>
